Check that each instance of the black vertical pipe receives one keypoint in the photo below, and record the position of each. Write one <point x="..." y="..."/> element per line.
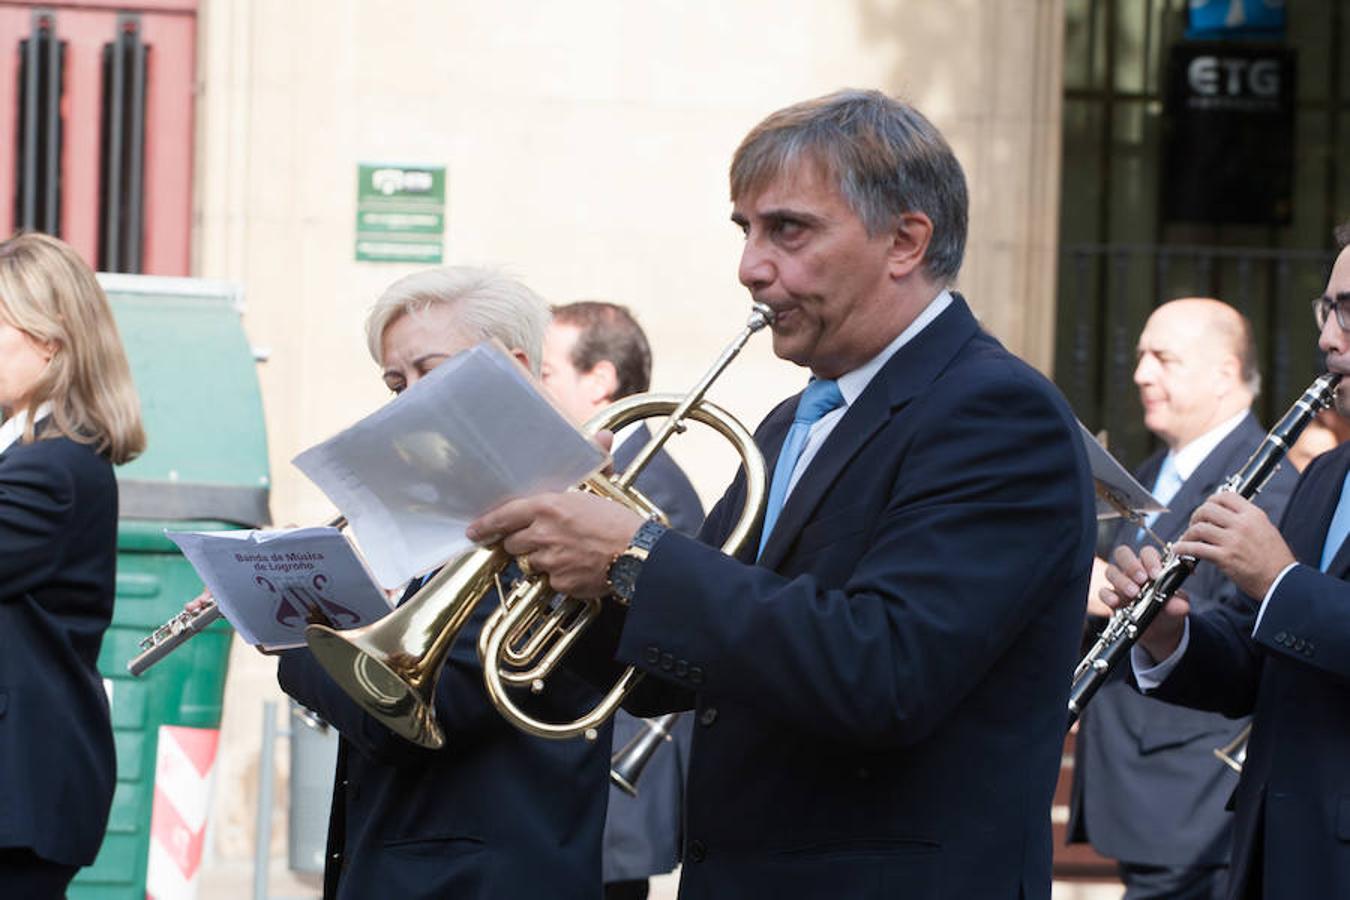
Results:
<point x="51" y="219"/>
<point x="32" y="76"/>
<point x="112" y="192"/>
<point x="135" y="199"/>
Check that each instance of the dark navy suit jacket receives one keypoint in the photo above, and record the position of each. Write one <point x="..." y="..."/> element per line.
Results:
<point x="881" y="701"/>
<point x="1147" y="788"/>
<point x="1293" y="800"/>
<point x="642" y="834"/>
<point x="58" y="554"/>
<point x="494" y="814"/>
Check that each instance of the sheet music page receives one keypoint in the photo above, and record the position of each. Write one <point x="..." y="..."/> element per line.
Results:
<point x="1114" y="482"/>
<point x="472" y="434"/>
<point x="271" y="584"/>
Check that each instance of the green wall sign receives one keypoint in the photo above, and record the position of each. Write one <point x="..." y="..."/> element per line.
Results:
<point x="400" y="213"/>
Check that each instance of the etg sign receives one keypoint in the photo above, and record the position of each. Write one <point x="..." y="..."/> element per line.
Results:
<point x="1228" y="134"/>
<point x="1211" y="76"/>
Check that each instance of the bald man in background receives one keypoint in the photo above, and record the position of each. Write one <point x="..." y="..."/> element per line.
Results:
<point x="1148" y="790"/>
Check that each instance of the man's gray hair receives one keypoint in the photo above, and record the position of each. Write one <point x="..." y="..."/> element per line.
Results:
<point x="886" y="160"/>
<point x="487" y="304"/>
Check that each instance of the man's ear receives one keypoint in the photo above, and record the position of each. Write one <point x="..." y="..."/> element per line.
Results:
<point x="521" y="357"/>
<point x="1228" y="373"/>
<point x="602" y="382"/>
<point x="910" y="237"/>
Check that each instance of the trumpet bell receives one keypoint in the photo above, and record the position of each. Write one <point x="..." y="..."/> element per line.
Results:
<point x="390" y="667"/>
<point x="364" y="671"/>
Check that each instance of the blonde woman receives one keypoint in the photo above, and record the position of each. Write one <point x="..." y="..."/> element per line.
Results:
<point x="70" y="414"/>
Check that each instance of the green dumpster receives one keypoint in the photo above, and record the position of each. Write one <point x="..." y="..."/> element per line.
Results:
<point x="205" y="467"/>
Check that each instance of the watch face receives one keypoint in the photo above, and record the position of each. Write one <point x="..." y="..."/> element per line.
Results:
<point x="623" y="576"/>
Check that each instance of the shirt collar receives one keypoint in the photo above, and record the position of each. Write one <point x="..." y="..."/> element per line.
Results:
<point x="12" y="429"/>
<point x="1189" y="458"/>
<point x="852" y="384"/>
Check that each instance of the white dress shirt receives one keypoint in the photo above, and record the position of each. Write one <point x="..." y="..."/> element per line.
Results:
<point x="852" y="384"/>
<point x="12" y="429"/>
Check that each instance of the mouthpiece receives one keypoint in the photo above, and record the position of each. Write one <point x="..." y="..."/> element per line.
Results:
<point x="760" y="317"/>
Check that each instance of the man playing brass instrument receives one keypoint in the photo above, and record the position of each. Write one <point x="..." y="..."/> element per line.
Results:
<point x="1147" y="790"/>
<point x="1285" y="661"/>
<point x="879" y="685"/>
<point x="495" y="813"/>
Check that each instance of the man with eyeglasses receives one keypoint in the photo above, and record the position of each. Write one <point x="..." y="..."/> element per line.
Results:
<point x="1285" y="660"/>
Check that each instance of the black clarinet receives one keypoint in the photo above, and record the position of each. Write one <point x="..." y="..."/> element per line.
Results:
<point x="627" y="764"/>
<point x="1129" y="622"/>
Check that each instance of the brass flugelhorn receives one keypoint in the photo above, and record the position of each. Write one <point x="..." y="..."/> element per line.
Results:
<point x="391" y="667"/>
<point x="183" y="627"/>
<point x="1129" y="623"/>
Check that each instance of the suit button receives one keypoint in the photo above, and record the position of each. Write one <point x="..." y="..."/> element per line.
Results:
<point x="695" y="675"/>
<point x="1281" y="638"/>
<point x="667" y="662"/>
<point x="708" y="716"/>
<point x="653" y="655"/>
<point x="1299" y="645"/>
<point x="698" y="851"/>
<point x="681" y="667"/>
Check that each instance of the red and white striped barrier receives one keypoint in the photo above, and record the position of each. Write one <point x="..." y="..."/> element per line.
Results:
<point x="184" y="770"/>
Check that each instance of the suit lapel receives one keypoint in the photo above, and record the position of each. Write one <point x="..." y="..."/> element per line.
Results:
<point x="770" y="436"/>
<point x="1223" y="460"/>
<point x="1329" y="495"/>
<point x="913" y="367"/>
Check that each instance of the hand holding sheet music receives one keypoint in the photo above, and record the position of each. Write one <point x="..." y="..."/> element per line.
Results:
<point x="472" y="434"/>
<point x="271" y="584"/>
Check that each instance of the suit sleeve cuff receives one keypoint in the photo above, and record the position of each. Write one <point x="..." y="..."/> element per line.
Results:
<point x="1270" y="593"/>
<point x="1151" y="675"/>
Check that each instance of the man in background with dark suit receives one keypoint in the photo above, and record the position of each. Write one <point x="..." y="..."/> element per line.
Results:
<point x="1284" y="659"/>
<point x="881" y="674"/>
<point x="596" y="353"/>
<point x="1148" y="790"/>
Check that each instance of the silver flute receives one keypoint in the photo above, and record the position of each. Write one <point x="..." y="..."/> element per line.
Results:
<point x="1129" y="623"/>
<point x="187" y="624"/>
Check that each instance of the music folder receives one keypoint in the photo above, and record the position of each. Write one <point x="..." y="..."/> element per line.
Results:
<point x="270" y="584"/>
<point x="1118" y="492"/>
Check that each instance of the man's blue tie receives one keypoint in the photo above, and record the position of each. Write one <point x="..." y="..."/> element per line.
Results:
<point x="819" y="398"/>
<point x="1340" y="526"/>
<point x="1165" y="487"/>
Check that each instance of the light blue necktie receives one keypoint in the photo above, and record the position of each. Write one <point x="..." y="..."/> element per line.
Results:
<point x="1340" y="526"/>
<point x="1166" y="487"/>
<point x="820" y="396"/>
